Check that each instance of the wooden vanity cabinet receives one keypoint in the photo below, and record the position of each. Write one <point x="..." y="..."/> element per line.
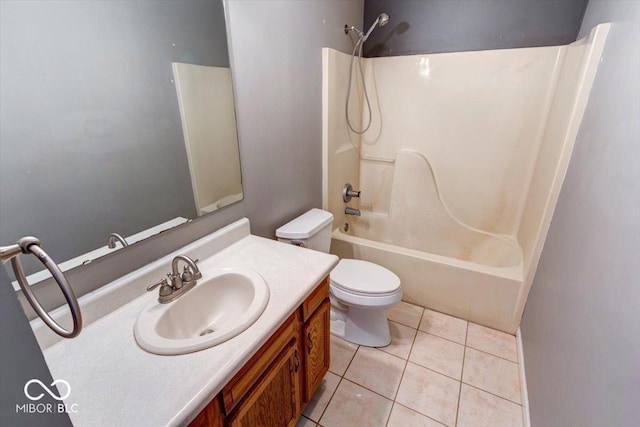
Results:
<point x="272" y="389"/>
<point x="316" y="348"/>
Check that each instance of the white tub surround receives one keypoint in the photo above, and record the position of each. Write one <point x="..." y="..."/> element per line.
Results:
<point x="461" y="168"/>
<point x="115" y="382"/>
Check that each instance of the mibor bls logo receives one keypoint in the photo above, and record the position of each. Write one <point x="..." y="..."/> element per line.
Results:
<point x="31" y="389"/>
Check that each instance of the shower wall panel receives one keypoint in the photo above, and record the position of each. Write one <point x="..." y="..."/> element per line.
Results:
<point x="478" y="117"/>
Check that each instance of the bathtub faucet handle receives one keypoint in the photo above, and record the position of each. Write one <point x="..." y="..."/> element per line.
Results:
<point x="348" y="192"/>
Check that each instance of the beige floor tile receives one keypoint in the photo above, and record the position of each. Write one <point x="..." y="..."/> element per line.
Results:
<point x="493" y="374"/>
<point x="480" y="409"/>
<point x="444" y="326"/>
<point x="429" y="393"/>
<point x="405" y="417"/>
<point x="405" y="313"/>
<point x="341" y="354"/>
<point x="320" y="399"/>
<point x="376" y="370"/>
<point x="353" y="405"/>
<point x="491" y="341"/>
<point x="401" y="340"/>
<point x="305" y="422"/>
<point x="438" y="354"/>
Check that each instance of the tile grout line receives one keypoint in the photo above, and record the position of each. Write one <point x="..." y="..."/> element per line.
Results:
<point x="395" y="355"/>
<point x="464" y="353"/>
<point x="492" y="394"/>
<point x="418" y="412"/>
<point x="440" y="336"/>
<point x="413" y="409"/>
<point x="339" y="382"/>
<point x="491" y="354"/>
<point x="329" y="401"/>
<point x="438" y="372"/>
<point x="410" y="326"/>
<point x="406" y="362"/>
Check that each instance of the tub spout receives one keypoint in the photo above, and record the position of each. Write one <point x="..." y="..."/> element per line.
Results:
<point x="352" y="211"/>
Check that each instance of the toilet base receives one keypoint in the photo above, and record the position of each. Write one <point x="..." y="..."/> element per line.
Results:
<point x="362" y="326"/>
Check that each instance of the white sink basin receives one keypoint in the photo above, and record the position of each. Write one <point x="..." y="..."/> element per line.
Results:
<point x="222" y="305"/>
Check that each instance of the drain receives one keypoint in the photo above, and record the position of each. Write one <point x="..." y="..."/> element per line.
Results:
<point x="206" y="332"/>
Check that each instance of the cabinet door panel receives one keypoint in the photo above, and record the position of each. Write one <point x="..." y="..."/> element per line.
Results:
<point x="239" y="386"/>
<point x="316" y="346"/>
<point x="275" y="399"/>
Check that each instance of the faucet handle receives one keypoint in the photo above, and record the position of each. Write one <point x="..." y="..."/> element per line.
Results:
<point x="348" y="192"/>
<point x="187" y="274"/>
<point x="165" y="287"/>
<point x="155" y="285"/>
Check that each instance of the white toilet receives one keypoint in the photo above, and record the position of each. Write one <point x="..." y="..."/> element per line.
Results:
<point x="361" y="291"/>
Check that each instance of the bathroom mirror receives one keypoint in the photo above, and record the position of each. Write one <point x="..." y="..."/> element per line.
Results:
<point x="117" y="116"/>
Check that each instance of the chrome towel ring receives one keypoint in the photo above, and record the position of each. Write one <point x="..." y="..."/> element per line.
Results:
<point x="31" y="245"/>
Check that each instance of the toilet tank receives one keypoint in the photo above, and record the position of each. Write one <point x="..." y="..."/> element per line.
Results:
<point x="311" y="230"/>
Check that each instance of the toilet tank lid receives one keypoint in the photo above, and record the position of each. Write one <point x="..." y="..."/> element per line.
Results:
<point x="306" y="225"/>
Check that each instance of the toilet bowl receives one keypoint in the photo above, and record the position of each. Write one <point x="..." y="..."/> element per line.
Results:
<point x="360" y="291"/>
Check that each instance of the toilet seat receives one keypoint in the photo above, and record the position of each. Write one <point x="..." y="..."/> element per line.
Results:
<point x="364" y="284"/>
<point x="365" y="301"/>
<point x="363" y="278"/>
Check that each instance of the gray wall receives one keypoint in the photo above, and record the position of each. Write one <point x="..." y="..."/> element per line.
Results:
<point x="277" y="72"/>
<point x="431" y="26"/>
<point x="20" y="361"/>
<point x="277" y="64"/>
<point x="581" y="326"/>
<point x="277" y="77"/>
<point x="91" y="133"/>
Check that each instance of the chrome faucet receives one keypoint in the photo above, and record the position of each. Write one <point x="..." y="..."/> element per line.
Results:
<point x="352" y="211"/>
<point x="190" y="274"/>
<point x="115" y="237"/>
<point x="175" y="285"/>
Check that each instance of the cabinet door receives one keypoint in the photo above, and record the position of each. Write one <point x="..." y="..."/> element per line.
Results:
<point x="275" y="401"/>
<point x="316" y="347"/>
<point x="242" y="383"/>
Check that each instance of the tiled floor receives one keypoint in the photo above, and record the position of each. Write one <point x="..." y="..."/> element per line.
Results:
<point x="438" y="370"/>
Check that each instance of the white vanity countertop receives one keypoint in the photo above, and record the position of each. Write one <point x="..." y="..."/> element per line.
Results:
<point x="115" y="382"/>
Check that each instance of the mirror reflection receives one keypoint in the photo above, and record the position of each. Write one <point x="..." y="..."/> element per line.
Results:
<point x="117" y="122"/>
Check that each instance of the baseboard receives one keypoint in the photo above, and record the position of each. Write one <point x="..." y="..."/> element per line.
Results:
<point x="526" y="419"/>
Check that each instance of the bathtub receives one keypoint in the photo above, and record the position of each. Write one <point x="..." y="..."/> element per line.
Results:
<point x="483" y="294"/>
<point x="461" y="168"/>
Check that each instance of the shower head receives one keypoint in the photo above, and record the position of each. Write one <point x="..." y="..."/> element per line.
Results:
<point x="381" y="21"/>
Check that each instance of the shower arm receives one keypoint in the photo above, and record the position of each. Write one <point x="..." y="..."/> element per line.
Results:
<point x="348" y="28"/>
